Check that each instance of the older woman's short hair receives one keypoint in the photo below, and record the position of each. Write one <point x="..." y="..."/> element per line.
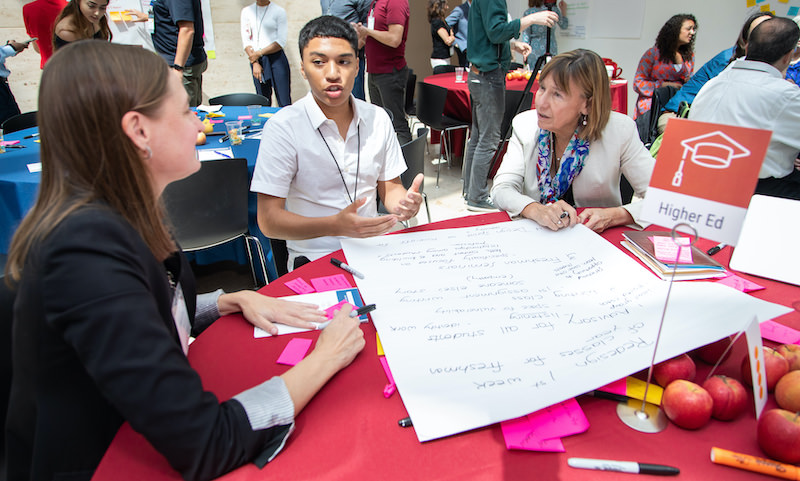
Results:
<point x="588" y="71"/>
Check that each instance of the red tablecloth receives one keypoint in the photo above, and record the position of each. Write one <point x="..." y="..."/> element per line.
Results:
<point x="350" y="432"/>
<point x="458" y="103"/>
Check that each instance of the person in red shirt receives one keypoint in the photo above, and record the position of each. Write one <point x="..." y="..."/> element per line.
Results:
<point x="385" y="33"/>
<point x="40" y="18"/>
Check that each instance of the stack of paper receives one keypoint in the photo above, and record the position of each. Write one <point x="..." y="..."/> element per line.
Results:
<point x="696" y="266"/>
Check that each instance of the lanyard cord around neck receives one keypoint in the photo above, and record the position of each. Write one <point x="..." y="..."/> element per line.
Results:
<point x="261" y="21"/>
<point x="358" y="163"/>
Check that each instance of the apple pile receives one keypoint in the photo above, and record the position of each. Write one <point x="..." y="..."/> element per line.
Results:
<point x="519" y="74"/>
<point x="691" y="406"/>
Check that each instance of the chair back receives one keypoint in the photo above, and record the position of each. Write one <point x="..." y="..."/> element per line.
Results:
<point x="430" y="104"/>
<point x="240" y="100"/>
<point x="444" y="69"/>
<point x="209" y="207"/>
<point x="411" y="84"/>
<point x="414" y="153"/>
<point x="513" y="99"/>
<point x="19" y="122"/>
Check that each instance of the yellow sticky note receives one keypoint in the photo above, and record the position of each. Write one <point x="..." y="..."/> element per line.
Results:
<point x="765" y="8"/>
<point x="380" y="346"/>
<point x="751" y="3"/>
<point x="266" y="115"/>
<point x="784" y="1"/>
<point x="635" y="389"/>
<point x="214" y="115"/>
<point x="115" y="16"/>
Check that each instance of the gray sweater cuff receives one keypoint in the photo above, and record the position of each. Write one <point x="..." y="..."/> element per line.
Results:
<point x="267" y="404"/>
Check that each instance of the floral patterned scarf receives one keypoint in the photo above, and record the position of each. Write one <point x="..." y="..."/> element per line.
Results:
<point x="552" y="188"/>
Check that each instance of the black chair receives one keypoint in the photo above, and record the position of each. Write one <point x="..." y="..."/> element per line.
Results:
<point x="647" y="123"/>
<point x="19" y="122"/>
<point x="444" y="69"/>
<point x="430" y="111"/>
<point x="209" y="208"/>
<point x="514" y="100"/>
<point x="240" y="100"/>
<point x="411" y="85"/>
<point x="414" y="153"/>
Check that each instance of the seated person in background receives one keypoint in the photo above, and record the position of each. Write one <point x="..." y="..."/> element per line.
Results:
<point x="105" y="300"/>
<point x="793" y="72"/>
<point x="572" y="139"/>
<point x="753" y="93"/>
<point x="669" y="62"/>
<point x="325" y="160"/>
<point x="709" y="70"/>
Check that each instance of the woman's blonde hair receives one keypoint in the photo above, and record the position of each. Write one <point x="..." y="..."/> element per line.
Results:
<point x="86" y="156"/>
<point x="588" y="71"/>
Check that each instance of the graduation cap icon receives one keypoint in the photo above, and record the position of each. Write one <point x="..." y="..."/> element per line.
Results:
<point x="714" y="150"/>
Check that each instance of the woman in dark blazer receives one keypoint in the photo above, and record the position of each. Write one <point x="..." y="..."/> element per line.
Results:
<point x="106" y="301"/>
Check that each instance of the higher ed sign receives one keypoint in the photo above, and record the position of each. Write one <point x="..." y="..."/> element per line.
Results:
<point x="704" y="176"/>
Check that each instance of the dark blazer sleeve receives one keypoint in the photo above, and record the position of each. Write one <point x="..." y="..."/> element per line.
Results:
<point x="109" y="299"/>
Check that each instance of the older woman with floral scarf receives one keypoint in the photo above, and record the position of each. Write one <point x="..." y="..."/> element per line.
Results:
<point x="572" y="150"/>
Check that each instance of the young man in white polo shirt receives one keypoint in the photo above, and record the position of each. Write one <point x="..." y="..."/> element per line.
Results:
<point x="324" y="160"/>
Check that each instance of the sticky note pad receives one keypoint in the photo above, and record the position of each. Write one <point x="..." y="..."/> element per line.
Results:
<point x="245" y="117"/>
<point x="777" y="332"/>
<point x="294" y="351"/>
<point x="636" y="390"/>
<point x="329" y="312"/>
<point x="518" y="435"/>
<point x="667" y="250"/>
<point x="751" y="3"/>
<point x="380" y="346"/>
<point x="267" y="115"/>
<point x="299" y="286"/>
<point x="34" y="167"/>
<point x="542" y="430"/>
<point x="330" y="283"/>
<point x="9" y="142"/>
<point x="617" y="387"/>
<point x="793" y="11"/>
<point x="740" y="283"/>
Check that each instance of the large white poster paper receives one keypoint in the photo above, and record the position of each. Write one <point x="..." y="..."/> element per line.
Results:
<point x="490" y="323"/>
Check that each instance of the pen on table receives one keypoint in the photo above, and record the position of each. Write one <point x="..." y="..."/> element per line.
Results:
<point x="354" y="313"/>
<point x="222" y="154"/>
<point x="623" y="466"/>
<point x="716" y="249"/>
<point x="344" y="266"/>
<point x="15" y="146"/>
<point x="405" y="422"/>
<point x="31" y="136"/>
<point x="755" y="464"/>
<point x="610" y="396"/>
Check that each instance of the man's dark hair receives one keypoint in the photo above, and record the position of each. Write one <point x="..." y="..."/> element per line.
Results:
<point x="744" y="35"/>
<point x="772" y="39"/>
<point x="327" y="26"/>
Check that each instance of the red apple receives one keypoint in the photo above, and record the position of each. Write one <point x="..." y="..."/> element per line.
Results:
<point x="687" y="404"/>
<point x="775" y="365"/>
<point x="711" y="353"/>
<point x="729" y="396"/>
<point x="779" y="435"/>
<point x="681" y="367"/>
<point x="791" y="352"/>
<point x="787" y="391"/>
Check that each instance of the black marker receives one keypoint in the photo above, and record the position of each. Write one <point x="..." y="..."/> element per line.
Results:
<point x="362" y="310"/>
<point x="715" y="249"/>
<point x="405" y="422"/>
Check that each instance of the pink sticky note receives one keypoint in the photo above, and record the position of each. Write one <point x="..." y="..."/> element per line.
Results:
<point x="559" y="420"/>
<point x="9" y="142"/>
<point x="245" y="117"/>
<point x="329" y="312"/>
<point x="667" y="250"/>
<point x="331" y="283"/>
<point x="740" y="283"/>
<point x="299" y="286"/>
<point x="294" y="351"/>
<point x="517" y="434"/>
<point x="216" y="121"/>
<point x="775" y="331"/>
<point x="616" y="387"/>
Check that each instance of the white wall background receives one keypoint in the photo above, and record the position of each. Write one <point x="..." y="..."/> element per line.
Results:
<point x="719" y="24"/>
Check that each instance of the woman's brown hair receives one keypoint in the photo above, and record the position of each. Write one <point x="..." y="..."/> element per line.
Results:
<point x="588" y="71"/>
<point x="82" y="25"/>
<point x="436" y="9"/>
<point x="86" y="157"/>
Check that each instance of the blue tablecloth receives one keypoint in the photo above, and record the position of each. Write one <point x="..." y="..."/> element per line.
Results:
<point x="18" y="186"/>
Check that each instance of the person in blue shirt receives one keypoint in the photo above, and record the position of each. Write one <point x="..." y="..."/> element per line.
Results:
<point x="709" y="70"/>
<point x="8" y="104"/>
<point x="458" y="21"/>
<point x="536" y="35"/>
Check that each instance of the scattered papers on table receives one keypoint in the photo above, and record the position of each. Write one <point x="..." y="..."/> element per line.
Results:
<point x="294" y="351"/>
<point x="543" y="429"/>
<point x="489" y="323"/>
<point x="777" y="332"/>
<point x="668" y="250"/>
<point x="299" y="286"/>
<point x="209" y="108"/>
<point x="329" y="283"/>
<point x="322" y="299"/>
<point x="34" y="167"/>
